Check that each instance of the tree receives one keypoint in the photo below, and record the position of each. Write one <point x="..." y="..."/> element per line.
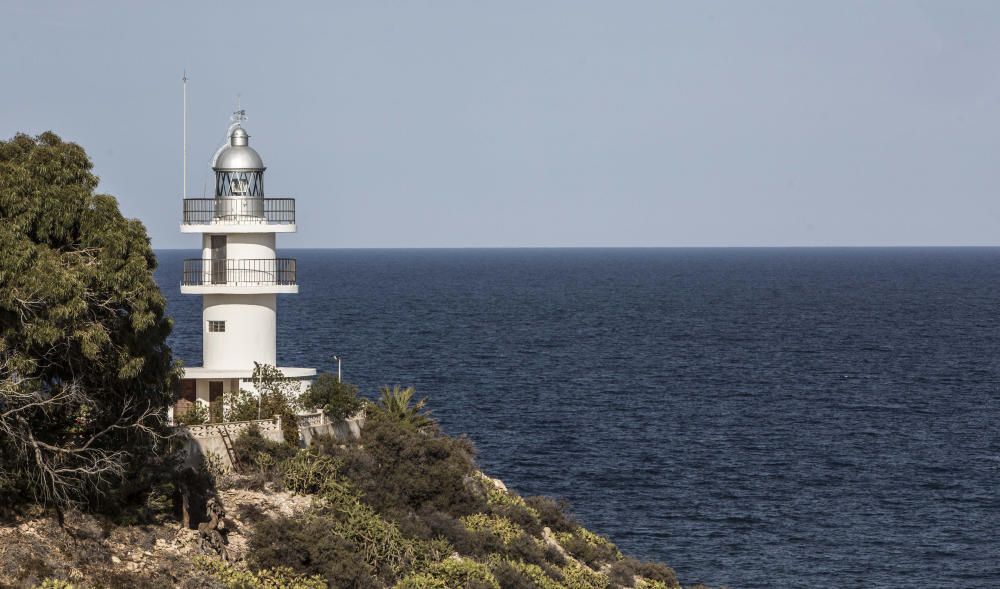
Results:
<point x="85" y="371"/>
<point x="395" y="402"/>
<point x="339" y="400"/>
<point x="277" y="396"/>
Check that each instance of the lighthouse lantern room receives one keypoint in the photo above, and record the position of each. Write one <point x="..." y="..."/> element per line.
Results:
<point x="238" y="275"/>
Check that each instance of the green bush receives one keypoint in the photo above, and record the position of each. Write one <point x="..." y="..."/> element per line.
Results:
<point x="552" y="513"/>
<point x="399" y="467"/>
<point x="240" y="405"/>
<point x="629" y="572"/>
<point x="310" y="546"/>
<point x="516" y="574"/>
<point x="308" y="473"/>
<point x="250" y="446"/>
<point x="195" y="415"/>
<point x="339" y="400"/>
<point x="452" y="573"/>
<point x="278" y="577"/>
<point x="589" y="547"/>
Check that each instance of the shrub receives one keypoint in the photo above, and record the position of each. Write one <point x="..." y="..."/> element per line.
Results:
<point x="504" y="529"/>
<point x="276" y="396"/>
<point x="648" y="574"/>
<point x="516" y="574"/>
<point x="398" y="467"/>
<point x="240" y="405"/>
<point x="589" y="547"/>
<point x="308" y="473"/>
<point x="452" y="573"/>
<point x="421" y="581"/>
<point x="309" y="546"/>
<point x="279" y="577"/>
<point x="379" y="542"/>
<point x="339" y="400"/>
<point x="215" y="412"/>
<point x="552" y="513"/>
<point x="251" y="446"/>
<point x="195" y="415"/>
<point x="577" y="576"/>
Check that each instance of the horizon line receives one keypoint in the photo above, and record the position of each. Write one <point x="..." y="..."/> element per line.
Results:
<point x="619" y="247"/>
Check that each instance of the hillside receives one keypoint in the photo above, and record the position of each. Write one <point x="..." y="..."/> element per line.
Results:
<point x="403" y="507"/>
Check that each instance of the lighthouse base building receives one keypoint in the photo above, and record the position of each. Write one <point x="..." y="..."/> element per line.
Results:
<point x="239" y="276"/>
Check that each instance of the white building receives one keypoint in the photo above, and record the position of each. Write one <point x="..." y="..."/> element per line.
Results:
<point x="238" y="275"/>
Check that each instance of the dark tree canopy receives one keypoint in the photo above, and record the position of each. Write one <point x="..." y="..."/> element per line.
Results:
<point x="85" y="370"/>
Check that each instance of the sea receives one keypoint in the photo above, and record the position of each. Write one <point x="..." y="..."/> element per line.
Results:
<point x="752" y="417"/>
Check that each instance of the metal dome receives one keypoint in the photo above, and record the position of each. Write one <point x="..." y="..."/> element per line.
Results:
<point x="238" y="155"/>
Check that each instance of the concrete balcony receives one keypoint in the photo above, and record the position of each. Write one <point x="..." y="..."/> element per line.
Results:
<point x="239" y="276"/>
<point x="228" y="214"/>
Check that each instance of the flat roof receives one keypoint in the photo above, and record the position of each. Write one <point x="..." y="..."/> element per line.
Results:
<point x="199" y="373"/>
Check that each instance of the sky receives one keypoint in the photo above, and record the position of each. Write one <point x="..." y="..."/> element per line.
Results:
<point x="536" y="123"/>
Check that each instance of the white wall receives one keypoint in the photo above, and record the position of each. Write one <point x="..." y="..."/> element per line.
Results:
<point x="251" y="330"/>
<point x="246" y="246"/>
<point x="201" y="388"/>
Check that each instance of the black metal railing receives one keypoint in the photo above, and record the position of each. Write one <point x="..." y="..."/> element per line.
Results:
<point x="239" y="210"/>
<point x="232" y="272"/>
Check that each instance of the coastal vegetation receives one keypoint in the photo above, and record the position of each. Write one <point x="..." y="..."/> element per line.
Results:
<point x="405" y="506"/>
<point x="85" y="370"/>
<point x="85" y="380"/>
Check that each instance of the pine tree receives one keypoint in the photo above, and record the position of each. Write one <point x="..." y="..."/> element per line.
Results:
<point x="85" y="371"/>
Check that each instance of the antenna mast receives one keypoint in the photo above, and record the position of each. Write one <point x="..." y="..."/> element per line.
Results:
<point x="184" y="81"/>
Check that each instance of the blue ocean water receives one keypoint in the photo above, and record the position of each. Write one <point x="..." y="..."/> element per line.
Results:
<point x="752" y="417"/>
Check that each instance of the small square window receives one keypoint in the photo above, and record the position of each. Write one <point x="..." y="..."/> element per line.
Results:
<point x="216" y="326"/>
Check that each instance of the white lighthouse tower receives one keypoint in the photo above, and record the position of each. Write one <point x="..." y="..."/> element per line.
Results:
<point x="238" y="275"/>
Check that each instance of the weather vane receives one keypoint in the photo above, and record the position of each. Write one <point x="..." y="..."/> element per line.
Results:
<point x="240" y="114"/>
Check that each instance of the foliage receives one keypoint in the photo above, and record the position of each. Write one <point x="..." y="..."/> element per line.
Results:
<point x="241" y="405"/>
<point x="452" y="573"/>
<point x="278" y="397"/>
<point x="406" y="507"/>
<point x="339" y="400"/>
<point x="56" y="584"/>
<point x="552" y="514"/>
<point x="380" y="542"/>
<point x="578" y="576"/>
<point x="589" y="547"/>
<point x="629" y="572"/>
<point x="516" y="574"/>
<point x="308" y="473"/>
<point x="504" y="529"/>
<point x="280" y="577"/>
<point x="308" y="545"/>
<point x="398" y="467"/>
<point x="85" y="371"/>
<point x="396" y="403"/>
<point x="251" y="446"/>
<point x="195" y="415"/>
<point x="216" y="412"/>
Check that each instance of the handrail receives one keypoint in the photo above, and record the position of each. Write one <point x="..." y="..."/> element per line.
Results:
<point x="239" y="272"/>
<point x="247" y="210"/>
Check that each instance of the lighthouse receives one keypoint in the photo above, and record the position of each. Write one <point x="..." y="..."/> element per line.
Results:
<point x="238" y="275"/>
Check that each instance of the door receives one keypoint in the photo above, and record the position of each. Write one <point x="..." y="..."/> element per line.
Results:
<point x="215" y="400"/>
<point x="218" y="259"/>
<point x="186" y="397"/>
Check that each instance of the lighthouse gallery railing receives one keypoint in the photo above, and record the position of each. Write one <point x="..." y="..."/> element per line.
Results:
<point x="239" y="272"/>
<point x="240" y="210"/>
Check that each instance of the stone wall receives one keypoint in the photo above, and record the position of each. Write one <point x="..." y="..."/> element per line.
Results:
<point x="317" y="424"/>
<point x="205" y="441"/>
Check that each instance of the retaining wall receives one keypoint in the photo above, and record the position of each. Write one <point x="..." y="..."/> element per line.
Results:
<point x="202" y="442"/>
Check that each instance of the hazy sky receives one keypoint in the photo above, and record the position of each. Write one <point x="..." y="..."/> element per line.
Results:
<point x="618" y="123"/>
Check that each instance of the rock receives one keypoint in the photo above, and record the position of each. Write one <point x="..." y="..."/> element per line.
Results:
<point x="116" y="560"/>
